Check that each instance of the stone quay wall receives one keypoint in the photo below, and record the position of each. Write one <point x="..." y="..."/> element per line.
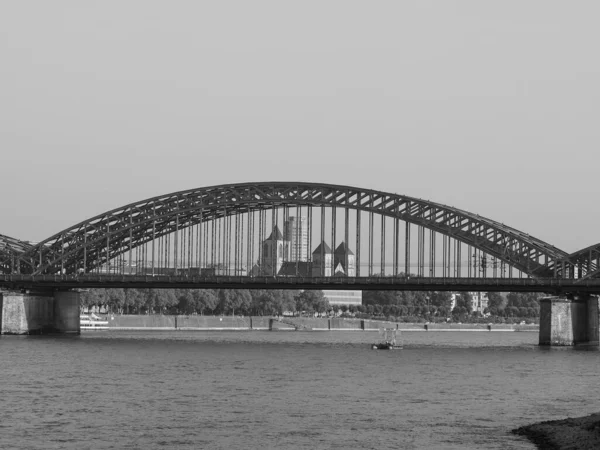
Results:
<point x="216" y="323"/>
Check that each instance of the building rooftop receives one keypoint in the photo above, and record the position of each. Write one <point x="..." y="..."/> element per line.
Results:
<point x="276" y="233"/>
<point x="343" y="249"/>
<point x="326" y="248"/>
<point x="293" y="268"/>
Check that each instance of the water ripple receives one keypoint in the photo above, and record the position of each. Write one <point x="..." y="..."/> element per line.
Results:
<point x="286" y="390"/>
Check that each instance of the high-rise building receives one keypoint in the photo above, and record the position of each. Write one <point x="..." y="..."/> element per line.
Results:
<point x="296" y="232"/>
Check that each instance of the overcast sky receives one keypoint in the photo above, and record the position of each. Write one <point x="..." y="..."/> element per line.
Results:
<point x="492" y="107"/>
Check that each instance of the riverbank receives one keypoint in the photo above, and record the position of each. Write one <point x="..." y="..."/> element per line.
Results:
<point x="262" y="323"/>
<point x="574" y="434"/>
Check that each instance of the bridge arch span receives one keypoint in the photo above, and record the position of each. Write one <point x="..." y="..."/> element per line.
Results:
<point x="94" y="242"/>
<point x="585" y="263"/>
<point x="10" y="251"/>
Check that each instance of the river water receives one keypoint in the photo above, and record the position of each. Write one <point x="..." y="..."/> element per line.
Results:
<point x="288" y="390"/>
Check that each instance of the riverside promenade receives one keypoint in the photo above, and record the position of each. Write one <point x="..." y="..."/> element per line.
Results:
<point x="272" y="323"/>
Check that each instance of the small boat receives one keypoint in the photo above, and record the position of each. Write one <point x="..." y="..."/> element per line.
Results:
<point x="388" y="340"/>
<point x="92" y="322"/>
<point x="386" y="346"/>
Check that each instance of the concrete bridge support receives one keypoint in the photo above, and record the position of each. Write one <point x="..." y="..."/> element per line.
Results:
<point x="66" y="312"/>
<point x="39" y="312"/>
<point x="569" y="321"/>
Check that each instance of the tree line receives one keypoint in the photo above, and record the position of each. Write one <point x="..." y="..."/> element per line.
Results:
<point x="426" y="305"/>
<point x="205" y="301"/>
<point x="439" y="304"/>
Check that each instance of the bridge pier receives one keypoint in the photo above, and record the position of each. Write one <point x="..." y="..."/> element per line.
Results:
<point x="39" y="312"/>
<point x="569" y="321"/>
<point x="66" y="312"/>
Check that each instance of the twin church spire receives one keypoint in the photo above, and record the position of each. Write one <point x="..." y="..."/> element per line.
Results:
<point x="285" y="254"/>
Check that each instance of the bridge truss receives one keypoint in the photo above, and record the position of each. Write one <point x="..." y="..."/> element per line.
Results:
<point x="295" y="230"/>
<point x="585" y="263"/>
<point x="10" y="252"/>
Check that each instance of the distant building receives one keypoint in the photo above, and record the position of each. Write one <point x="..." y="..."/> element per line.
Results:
<point x="295" y="231"/>
<point x="287" y="255"/>
<point x="479" y="301"/>
<point x="338" y="298"/>
<point x="322" y="261"/>
<point x="274" y="251"/>
<point x="295" y="269"/>
<point x="343" y="261"/>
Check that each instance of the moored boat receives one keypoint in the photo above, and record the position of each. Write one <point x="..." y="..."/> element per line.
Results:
<point x="386" y="346"/>
<point x="388" y="340"/>
<point x="92" y="322"/>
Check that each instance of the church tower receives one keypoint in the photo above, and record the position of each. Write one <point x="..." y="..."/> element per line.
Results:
<point x="344" y="261"/>
<point x="274" y="251"/>
<point x="322" y="261"/>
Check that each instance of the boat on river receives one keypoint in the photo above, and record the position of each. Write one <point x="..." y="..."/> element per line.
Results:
<point x="388" y="340"/>
<point x="92" y="322"/>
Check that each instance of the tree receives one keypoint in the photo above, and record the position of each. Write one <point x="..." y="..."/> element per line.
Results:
<point x="533" y="312"/>
<point x="496" y="300"/>
<point x="265" y="303"/>
<point x="460" y="312"/>
<point x="115" y="298"/>
<point x="93" y="297"/>
<point x="312" y="301"/>
<point x="468" y="301"/>
<point x="386" y="310"/>
<point x="463" y="303"/>
<point x="380" y="298"/>
<point x="186" y="301"/>
<point x="286" y="299"/>
<point x="161" y="300"/>
<point x="512" y="311"/>
<point x="320" y="303"/>
<point x="440" y="299"/>
<point x="239" y="299"/>
<point x="225" y="296"/>
<point x="514" y="299"/>
<point x="135" y="299"/>
<point x="207" y="299"/>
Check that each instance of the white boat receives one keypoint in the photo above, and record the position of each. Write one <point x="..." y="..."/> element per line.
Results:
<point x="92" y="322"/>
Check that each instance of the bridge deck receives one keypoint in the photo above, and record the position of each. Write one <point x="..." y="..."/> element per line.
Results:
<point x="549" y="285"/>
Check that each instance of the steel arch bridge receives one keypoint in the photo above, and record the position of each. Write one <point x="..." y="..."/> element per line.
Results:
<point x="334" y="231"/>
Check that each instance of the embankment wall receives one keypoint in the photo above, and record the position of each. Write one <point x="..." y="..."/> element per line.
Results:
<point x="160" y="322"/>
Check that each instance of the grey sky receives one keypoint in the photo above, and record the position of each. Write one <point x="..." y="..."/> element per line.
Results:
<point x="492" y="107"/>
